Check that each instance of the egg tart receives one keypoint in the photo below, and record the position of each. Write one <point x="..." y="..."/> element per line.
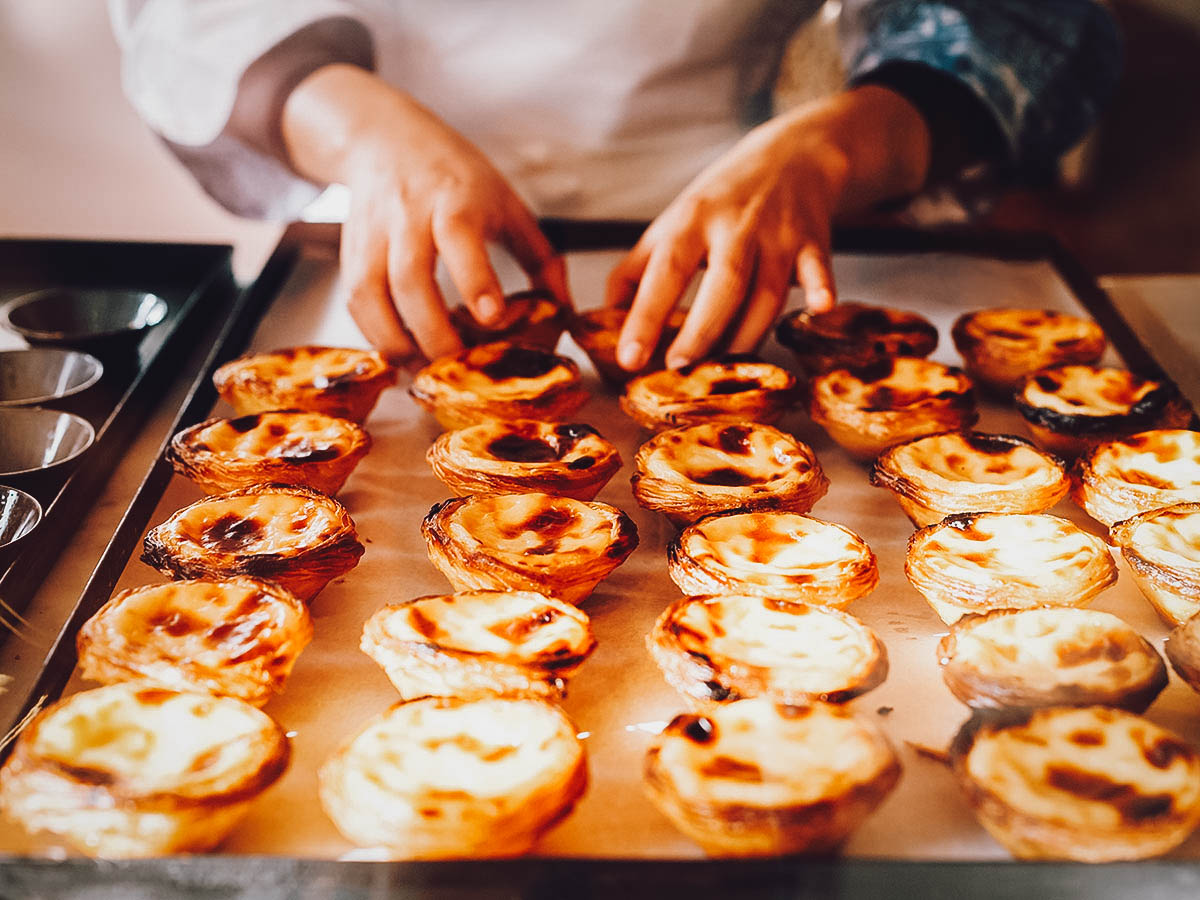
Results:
<point x="781" y="556"/>
<point x="499" y="381"/>
<point x="289" y="447"/>
<point x="754" y="778"/>
<point x="725" y="647"/>
<point x="556" y="546"/>
<point x="130" y="770"/>
<point x="337" y="381"/>
<point x="978" y="562"/>
<point x="523" y="455"/>
<point x="734" y="389"/>
<point x="447" y="777"/>
<point x="1050" y="656"/>
<point x="1183" y="650"/>
<point x="967" y="471"/>
<point x="597" y="331"/>
<point x="1091" y="784"/>
<point x="294" y="536"/>
<point x="1070" y="409"/>
<point x="532" y="318"/>
<point x="234" y="638"/>
<point x="1162" y="547"/>
<point x="687" y="473"/>
<point x="479" y="642"/>
<point x="870" y="408"/>
<point x="854" y="334"/>
<point x="1002" y="345"/>
<point x="1119" y="479"/>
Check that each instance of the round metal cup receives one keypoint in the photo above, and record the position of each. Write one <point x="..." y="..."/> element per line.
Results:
<point x="45" y="374"/>
<point x="103" y="321"/>
<point x="19" y="514"/>
<point x="37" y="444"/>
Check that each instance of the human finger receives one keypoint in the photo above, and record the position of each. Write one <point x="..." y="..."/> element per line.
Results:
<point x="364" y="277"/>
<point x="463" y="248"/>
<point x="535" y="254"/>
<point x="814" y="272"/>
<point x="767" y="297"/>
<point x="731" y="264"/>
<point x="625" y="276"/>
<point x="668" y="272"/>
<point x="411" y="261"/>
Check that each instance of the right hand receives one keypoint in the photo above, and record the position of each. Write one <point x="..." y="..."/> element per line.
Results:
<point x="419" y="191"/>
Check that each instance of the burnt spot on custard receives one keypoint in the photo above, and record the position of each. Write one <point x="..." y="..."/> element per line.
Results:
<point x="725" y="476"/>
<point x="175" y="622"/>
<point x="993" y="444"/>
<point x="697" y="729"/>
<point x="232" y="533"/>
<point x="583" y="462"/>
<point x="724" y="386"/>
<point x="730" y="769"/>
<point x="1130" y="803"/>
<point x="517" y="448"/>
<point x="735" y="440"/>
<point x="245" y="424"/>
<point x="520" y="362"/>
<point x="1087" y="738"/>
<point x="1165" y="751"/>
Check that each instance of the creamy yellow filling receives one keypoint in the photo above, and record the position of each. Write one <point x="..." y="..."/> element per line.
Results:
<point x="1029" y="329"/>
<point x="672" y="385"/>
<point x="253" y="523"/>
<point x="947" y="462"/>
<point x="511" y="526"/>
<point x="1089" y="391"/>
<point x="911" y="382"/>
<point x="1153" y="461"/>
<point x="1170" y="538"/>
<point x="308" y="368"/>
<point x="303" y="432"/>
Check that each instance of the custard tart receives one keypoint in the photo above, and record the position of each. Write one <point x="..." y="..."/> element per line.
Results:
<point x="1002" y="345"/>
<point x="854" y="334"/>
<point x="1183" y="650"/>
<point x="447" y="777"/>
<point x="337" y="381"/>
<point x="967" y="471"/>
<point x="977" y="562"/>
<point x="479" y="642"/>
<point x="1162" y="547"/>
<point x="1071" y="409"/>
<point x="733" y="389"/>
<point x="870" y="408"/>
<point x="1091" y="784"/>
<point x="130" y="770"/>
<point x="294" y="536"/>
<point x="727" y="647"/>
<point x="234" y="638"/>
<point x="781" y="556"/>
<point x="597" y="331"/>
<point x="499" y="381"/>
<point x="288" y="447"/>
<point x="1050" y="656"/>
<point x="687" y="473"/>
<point x="754" y="778"/>
<point x="557" y="546"/>
<point x="1121" y="478"/>
<point x="533" y="318"/>
<point x="523" y="455"/>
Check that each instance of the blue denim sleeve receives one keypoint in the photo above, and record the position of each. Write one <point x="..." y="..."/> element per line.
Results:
<point x="1042" y="68"/>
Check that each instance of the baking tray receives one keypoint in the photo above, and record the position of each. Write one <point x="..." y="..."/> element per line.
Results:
<point x="252" y="868"/>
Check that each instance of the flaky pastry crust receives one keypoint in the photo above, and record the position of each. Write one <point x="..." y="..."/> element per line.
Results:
<point x="337" y="381"/>
<point x="687" y="473"/>
<point x="479" y="642"/>
<point x="294" y="536"/>
<point x="532" y="318"/>
<point x="753" y="778"/>
<point x="1162" y="547"/>
<point x="1118" y="479"/>
<point x="1183" y="650"/>
<point x="499" y="381"/>
<point x="596" y="332"/>
<point x="782" y="556"/>
<point x="733" y="389"/>
<point x="979" y="562"/>
<point x="556" y="546"/>
<point x="516" y="457"/>
<point x="854" y="334"/>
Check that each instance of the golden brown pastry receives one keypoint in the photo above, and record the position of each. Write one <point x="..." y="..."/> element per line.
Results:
<point x="499" y="381"/>
<point x="871" y="408"/>
<point x="533" y="318"/>
<point x="523" y="455"/>
<point x="479" y="642"/>
<point x="1002" y="345"/>
<point x="288" y="447"/>
<point x="234" y="638"/>
<point x="979" y="562"/>
<point x="1070" y="409"/>
<point x="596" y="332"/>
<point x="687" y="473"/>
<point x="726" y="647"/>
<point x="734" y="389"/>
<point x="753" y="778"/>
<point x="337" y="381"/>
<point x="556" y="546"/>
<point x="446" y="777"/>
<point x="854" y="334"/>
<point x="781" y="556"/>
<point x="1050" y="656"/>
<point x="1183" y="650"/>
<point x="294" y="536"/>
<point x="1119" y="479"/>
<point x="967" y="471"/>
<point x="130" y="770"/>
<point x="1162" y="547"/>
<point x="1095" y="784"/>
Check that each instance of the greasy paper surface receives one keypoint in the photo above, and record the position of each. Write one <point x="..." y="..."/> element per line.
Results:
<point x="618" y="699"/>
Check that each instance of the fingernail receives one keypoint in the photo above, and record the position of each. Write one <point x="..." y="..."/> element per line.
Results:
<point x="631" y="355"/>
<point x="489" y="309"/>
<point x="677" y="360"/>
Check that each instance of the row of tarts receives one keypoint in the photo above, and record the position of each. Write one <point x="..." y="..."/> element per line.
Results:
<point x="768" y="762"/>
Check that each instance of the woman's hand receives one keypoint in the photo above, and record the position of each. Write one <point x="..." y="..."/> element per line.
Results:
<point x="419" y="191"/>
<point x="758" y="220"/>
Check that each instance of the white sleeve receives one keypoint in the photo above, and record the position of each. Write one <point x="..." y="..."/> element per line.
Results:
<point x="210" y="77"/>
